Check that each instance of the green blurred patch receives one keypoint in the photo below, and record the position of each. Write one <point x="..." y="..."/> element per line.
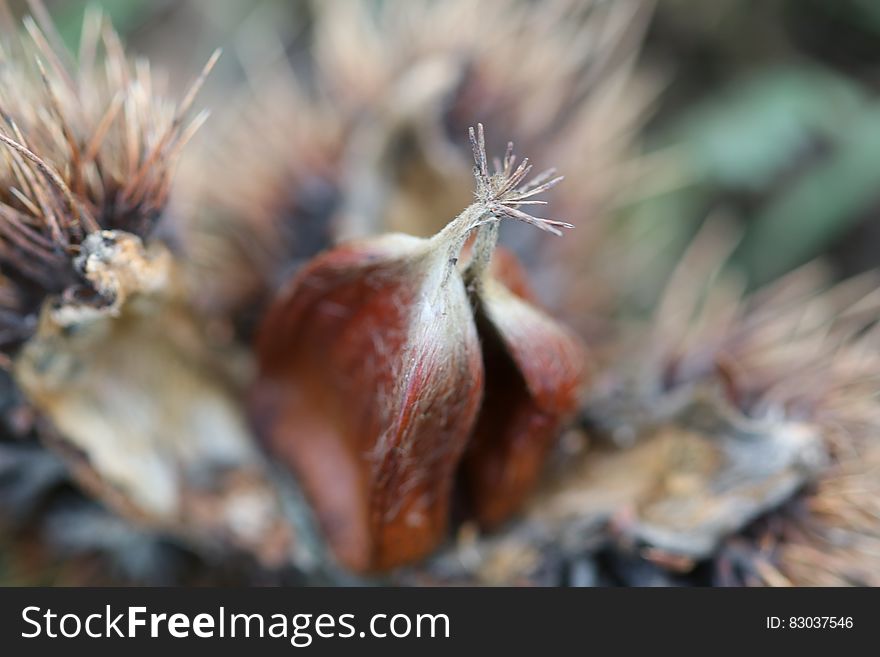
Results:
<point x="794" y="152"/>
<point x="821" y="205"/>
<point x="754" y="129"/>
<point x="126" y="15"/>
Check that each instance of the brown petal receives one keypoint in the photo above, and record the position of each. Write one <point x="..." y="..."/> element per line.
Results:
<point x="370" y="383"/>
<point x="534" y="368"/>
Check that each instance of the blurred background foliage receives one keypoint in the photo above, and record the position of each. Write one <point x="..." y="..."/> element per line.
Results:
<point x="771" y="112"/>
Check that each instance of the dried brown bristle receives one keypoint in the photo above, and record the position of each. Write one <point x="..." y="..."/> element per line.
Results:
<point x="506" y="189"/>
<point x="799" y="355"/>
<point x="83" y="148"/>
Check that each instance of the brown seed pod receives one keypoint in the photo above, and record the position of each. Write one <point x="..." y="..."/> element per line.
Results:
<point x="371" y="379"/>
<point x="535" y="369"/>
<point x="534" y="366"/>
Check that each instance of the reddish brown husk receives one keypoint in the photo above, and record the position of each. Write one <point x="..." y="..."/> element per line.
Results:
<point x="534" y="368"/>
<point x="370" y="382"/>
<point x="371" y="376"/>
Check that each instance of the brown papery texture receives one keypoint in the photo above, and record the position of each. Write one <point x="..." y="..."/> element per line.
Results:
<point x="371" y="379"/>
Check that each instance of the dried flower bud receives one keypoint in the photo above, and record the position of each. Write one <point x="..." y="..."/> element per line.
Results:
<point x="372" y="377"/>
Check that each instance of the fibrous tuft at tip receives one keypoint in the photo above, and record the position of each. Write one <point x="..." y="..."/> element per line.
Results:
<point x="506" y="189"/>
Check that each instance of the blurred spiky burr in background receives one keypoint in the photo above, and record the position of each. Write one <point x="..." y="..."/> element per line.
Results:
<point x="257" y="202"/>
<point x="98" y="331"/>
<point x="792" y="370"/>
